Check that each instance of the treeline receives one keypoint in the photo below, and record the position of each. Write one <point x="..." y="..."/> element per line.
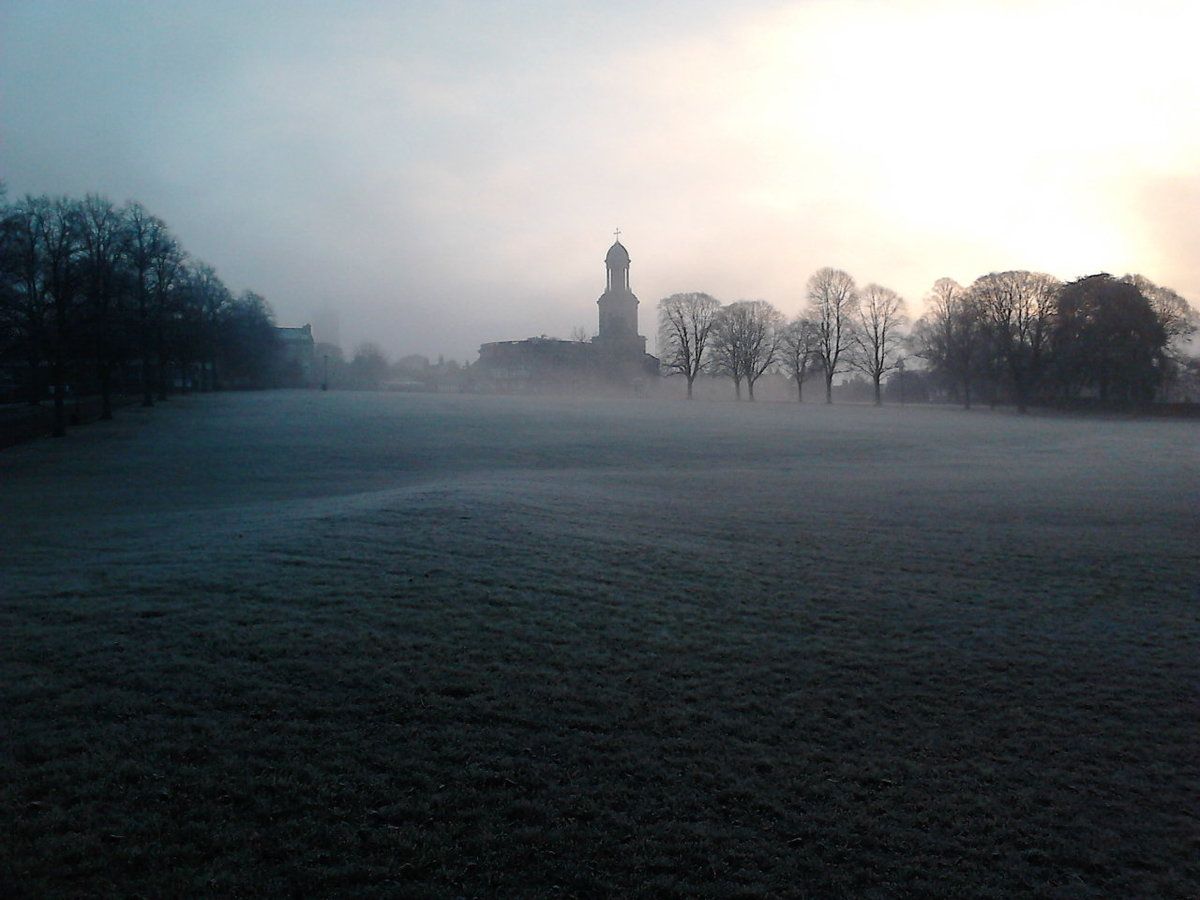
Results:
<point x="1011" y="337"/>
<point x="98" y="299"/>
<point x="369" y="369"/>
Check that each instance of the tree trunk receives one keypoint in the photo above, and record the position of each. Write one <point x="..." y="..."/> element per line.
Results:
<point x="799" y="390"/>
<point x="1021" y="391"/>
<point x="737" y="388"/>
<point x="60" y="412"/>
<point x="966" y="393"/>
<point x="105" y="393"/>
<point x="35" y="382"/>
<point x="147" y="387"/>
<point x="689" y="382"/>
<point x="828" y="389"/>
<point x="750" y="389"/>
<point x="878" y="394"/>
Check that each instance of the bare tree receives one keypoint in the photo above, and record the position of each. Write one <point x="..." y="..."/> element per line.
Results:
<point x="745" y="340"/>
<point x="23" y="303"/>
<point x="101" y="236"/>
<point x="1175" y="313"/>
<point x="169" y="272"/>
<point x="832" y="308"/>
<point x="1019" y="309"/>
<point x="210" y="299"/>
<point x="249" y="343"/>
<point x="579" y="335"/>
<point x="685" y="323"/>
<point x="951" y="336"/>
<point x="369" y="367"/>
<point x="877" y="337"/>
<point x="148" y="245"/>
<point x="725" y="350"/>
<point x="42" y="268"/>
<point x="764" y="327"/>
<point x="798" y="352"/>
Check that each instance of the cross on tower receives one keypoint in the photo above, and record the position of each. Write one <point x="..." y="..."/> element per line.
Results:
<point x="617" y="234"/>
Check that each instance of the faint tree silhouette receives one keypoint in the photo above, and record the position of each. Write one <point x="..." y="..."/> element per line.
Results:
<point x="106" y="288"/>
<point x="745" y="340"/>
<point x="833" y="310"/>
<point x="146" y="242"/>
<point x="1019" y="308"/>
<point x="42" y="270"/>
<point x="798" y="352"/>
<point x="878" y="334"/>
<point x="369" y="366"/>
<point x="951" y="336"/>
<point x="685" y="324"/>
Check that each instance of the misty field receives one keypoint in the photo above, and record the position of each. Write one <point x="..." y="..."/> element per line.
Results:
<point x="310" y="643"/>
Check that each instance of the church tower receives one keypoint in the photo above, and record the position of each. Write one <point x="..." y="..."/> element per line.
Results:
<point x="619" y="307"/>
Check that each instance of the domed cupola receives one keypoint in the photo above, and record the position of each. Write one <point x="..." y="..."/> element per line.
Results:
<point x="616" y="262"/>
<point x="617" y="256"/>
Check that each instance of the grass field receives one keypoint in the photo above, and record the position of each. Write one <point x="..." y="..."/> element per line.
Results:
<point x="394" y="645"/>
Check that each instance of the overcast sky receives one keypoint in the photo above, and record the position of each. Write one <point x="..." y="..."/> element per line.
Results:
<point x="444" y="174"/>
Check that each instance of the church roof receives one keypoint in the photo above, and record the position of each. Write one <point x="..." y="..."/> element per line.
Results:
<point x="617" y="255"/>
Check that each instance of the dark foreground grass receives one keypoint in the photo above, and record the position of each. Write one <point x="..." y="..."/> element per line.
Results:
<point x="395" y="648"/>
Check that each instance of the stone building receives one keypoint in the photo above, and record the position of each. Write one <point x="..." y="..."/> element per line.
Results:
<point x="297" y="359"/>
<point x="615" y="359"/>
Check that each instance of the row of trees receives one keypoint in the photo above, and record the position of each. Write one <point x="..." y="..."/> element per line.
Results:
<point x="1030" y="337"/>
<point x="841" y="328"/>
<point x="95" y="296"/>
<point x="1022" y="336"/>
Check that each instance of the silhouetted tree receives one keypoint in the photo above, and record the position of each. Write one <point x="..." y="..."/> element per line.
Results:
<point x="369" y="366"/>
<point x="1174" y="313"/>
<point x="745" y="341"/>
<point x="798" y="351"/>
<point x="209" y="299"/>
<point x="248" y="341"/>
<point x="23" y="310"/>
<point x="42" y="267"/>
<point x="151" y="255"/>
<point x="833" y="310"/>
<point x="1178" y="319"/>
<point x="105" y="288"/>
<point x="1108" y="337"/>
<point x="168" y="274"/>
<point x="951" y="336"/>
<point x="1019" y="309"/>
<point x="685" y="323"/>
<point x="877" y="335"/>
<point x="725" y="351"/>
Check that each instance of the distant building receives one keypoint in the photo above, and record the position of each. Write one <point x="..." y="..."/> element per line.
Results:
<point x="297" y="359"/>
<point x="615" y="358"/>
